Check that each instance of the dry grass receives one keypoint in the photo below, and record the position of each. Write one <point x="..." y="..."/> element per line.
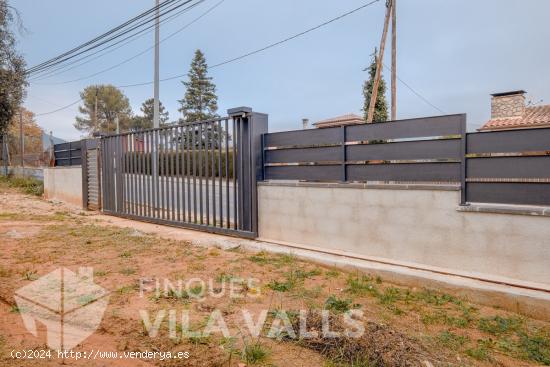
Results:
<point x="404" y="327"/>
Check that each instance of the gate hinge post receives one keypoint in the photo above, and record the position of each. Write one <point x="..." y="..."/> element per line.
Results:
<point x="251" y="127"/>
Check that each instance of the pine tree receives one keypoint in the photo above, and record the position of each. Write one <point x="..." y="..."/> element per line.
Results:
<point x="146" y="120"/>
<point x="200" y="101"/>
<point x="381" y="106"/>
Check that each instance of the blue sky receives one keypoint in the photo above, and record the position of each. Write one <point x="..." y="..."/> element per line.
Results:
<point x="454" y="52"/>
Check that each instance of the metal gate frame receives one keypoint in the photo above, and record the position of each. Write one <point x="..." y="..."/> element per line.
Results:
<point x="131" y="189"/>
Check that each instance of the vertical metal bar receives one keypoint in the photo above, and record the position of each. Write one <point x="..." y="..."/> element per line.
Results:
<point x="187" y="140"/>
<point x="220" y="191"/>
<point x="235" y="173"/>
<point x="194" y="159"/>
<point x="105" y="175"/>
<point x="201" y="218"/>
<point x="150" y="185"/>
<point x="178" y="172"/>
<point x="103" y="168"/>
<point x="344" y="175"/>
<point x="111" y="173"/>
<point x="145" y="176"/>
<point x="172" y="205"/>
<point x="136" y="171"/>
<point x="139" y="153"/>
<point x="129" y="174"/>
<point x="119" y="173"/>
<point x="132" y="138"/>
<point x="123" y="157"/>
<point x="207" y="170"/>
<point x="166" y="171"/>
<point x="464" y="161"/>
<point x="156" y="172"/>
<point x="242" y="176"/>
<point x="143" y="173"/>
<point x="226" y="161"/>
<point x="159" y="178"/>
<point x="213" y="170"/>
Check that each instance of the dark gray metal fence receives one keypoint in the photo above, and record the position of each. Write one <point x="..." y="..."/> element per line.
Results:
<point x="200" y="175"/>
<point x="510" y="167"/>
<point x="416" y="150"/>
<point x="68" y="154"/>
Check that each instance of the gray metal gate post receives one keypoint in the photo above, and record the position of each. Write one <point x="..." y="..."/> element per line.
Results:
<point x="253" y="125"/>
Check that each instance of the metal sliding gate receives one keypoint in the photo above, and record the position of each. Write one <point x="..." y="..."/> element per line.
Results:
<point x="199" y="175"/>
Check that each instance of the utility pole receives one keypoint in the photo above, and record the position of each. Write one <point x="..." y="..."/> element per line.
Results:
<point x="117" y="123"/>
<point x="156" y="107"/>
<point x="21" y="139"/>
<point x="156" y="122"/>
<point x="374" y="95"/>
<point x="393" y="60"/>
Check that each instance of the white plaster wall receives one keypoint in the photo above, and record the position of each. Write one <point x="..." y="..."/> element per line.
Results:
<point x="64" y="183"/>
<point x="420" y="227"/>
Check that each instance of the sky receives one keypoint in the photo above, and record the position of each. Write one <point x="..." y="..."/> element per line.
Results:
<point x="455" y="53"/>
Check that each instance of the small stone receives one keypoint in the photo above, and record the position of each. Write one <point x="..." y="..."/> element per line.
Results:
<point x="14" y="234"/>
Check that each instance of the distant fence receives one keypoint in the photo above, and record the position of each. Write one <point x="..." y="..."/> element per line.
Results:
<point x="510" y="166"/>
<point x="416" y="150"/>
<point x="68" y="154"/>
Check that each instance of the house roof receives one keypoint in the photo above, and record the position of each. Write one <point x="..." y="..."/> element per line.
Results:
<point x="349" y="119"/>
<point x="534" y="117"/>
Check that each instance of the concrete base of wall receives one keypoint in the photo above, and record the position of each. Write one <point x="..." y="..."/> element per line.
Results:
<point x="64" y="184"/>
<point x="419" y="227"/>
<point x="528" y="302"/>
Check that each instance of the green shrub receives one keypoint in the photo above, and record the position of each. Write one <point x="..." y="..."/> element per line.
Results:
<point x="29" y="185"/>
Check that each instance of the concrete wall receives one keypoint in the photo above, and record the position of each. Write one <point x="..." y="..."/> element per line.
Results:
<point x="412" y="227"/>
<point x="64" y="183"/>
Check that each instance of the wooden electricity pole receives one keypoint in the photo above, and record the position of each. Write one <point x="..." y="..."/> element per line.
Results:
<point x="393" y="60"/>
<point x="380" y="58"/>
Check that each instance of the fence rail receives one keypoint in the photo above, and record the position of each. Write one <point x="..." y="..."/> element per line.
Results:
<point x="68" y="154"/>
<point x="510" y="167"/>
<point x="415" y="150"/>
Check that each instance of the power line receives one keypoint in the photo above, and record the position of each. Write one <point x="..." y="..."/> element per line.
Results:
<point x="242" y="56"/>
<point x="73" y="55"/>
<point x="268" y="47"/>
<point x="63" y="68"/>
<point x="144" y="51"/>
<point x="417" y="93"/>
<point x="111" y="31"/>
<point x="116" y="36"/>
<point x="59" y="109"/>
<point x="263" y="48"/>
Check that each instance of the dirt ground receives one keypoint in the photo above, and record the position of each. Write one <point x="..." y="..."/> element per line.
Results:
<point x="403" y="326"/>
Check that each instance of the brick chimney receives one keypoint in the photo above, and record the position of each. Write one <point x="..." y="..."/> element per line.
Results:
<point x="508" y="104"/>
